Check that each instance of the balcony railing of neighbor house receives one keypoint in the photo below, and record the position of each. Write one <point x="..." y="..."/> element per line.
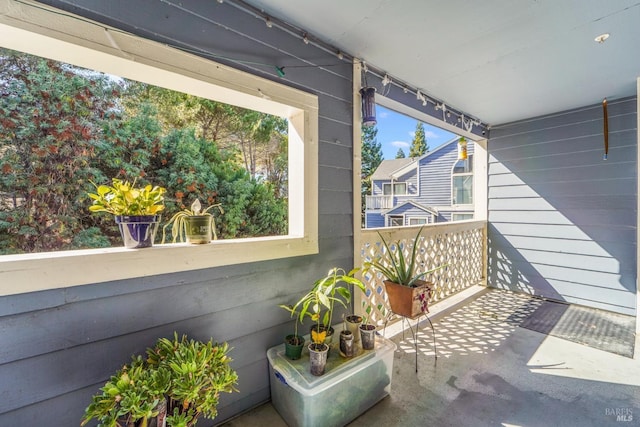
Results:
<point x="461" y="245"/>
<point x="379" y="202"/>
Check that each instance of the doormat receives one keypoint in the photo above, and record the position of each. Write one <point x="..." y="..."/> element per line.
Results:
<point x="595" y="328"/>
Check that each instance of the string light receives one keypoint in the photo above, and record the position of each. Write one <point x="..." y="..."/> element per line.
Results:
<point x="340" y="55"/>
<point x="305" y="38"/>
<point x="268" y="22"/>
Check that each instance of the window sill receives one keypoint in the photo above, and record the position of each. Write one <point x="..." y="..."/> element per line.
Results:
<point x="37" y="272"/>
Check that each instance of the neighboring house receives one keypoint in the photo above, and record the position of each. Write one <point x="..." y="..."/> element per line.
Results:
<point x="435" y="187"/>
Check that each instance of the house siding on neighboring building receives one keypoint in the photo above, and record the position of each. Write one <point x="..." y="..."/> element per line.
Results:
<point x="430" y="186"/>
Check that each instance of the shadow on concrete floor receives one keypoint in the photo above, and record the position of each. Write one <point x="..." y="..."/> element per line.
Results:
<point x="492" y="372"/>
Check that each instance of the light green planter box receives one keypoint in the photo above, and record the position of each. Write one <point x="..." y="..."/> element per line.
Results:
<point x="347" y="389"/>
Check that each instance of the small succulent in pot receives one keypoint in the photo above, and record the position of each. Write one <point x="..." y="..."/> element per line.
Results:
<point x="195" y="225"/>
<point x="293" y="343"/>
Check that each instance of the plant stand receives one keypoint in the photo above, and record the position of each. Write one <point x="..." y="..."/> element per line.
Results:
<point x="414" y="334"/>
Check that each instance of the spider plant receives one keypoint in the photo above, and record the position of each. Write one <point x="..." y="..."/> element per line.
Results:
<point x="180" y="221"/>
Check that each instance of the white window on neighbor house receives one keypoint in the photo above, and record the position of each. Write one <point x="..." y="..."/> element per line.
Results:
<point x="462" y="182"/>
<point x="418" y="220"/>
<point x="394" y="189"/>
<point x="461" y="216"/>
<point x="395" y="220"/>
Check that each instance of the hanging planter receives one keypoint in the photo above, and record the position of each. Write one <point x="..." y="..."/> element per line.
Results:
<point x="368" y="95"/>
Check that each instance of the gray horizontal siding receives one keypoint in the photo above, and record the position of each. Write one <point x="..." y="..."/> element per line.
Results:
<point x="65" y="343"/>
<point x="562" y="220"/>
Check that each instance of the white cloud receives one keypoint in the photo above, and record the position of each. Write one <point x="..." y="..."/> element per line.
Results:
<point x="400" y="144"/>
<point x="429" y="134"/>
<point x="412" y="134"/>
<point x="382" y="114"/>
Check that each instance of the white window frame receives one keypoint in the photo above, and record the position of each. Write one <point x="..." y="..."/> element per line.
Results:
<point x="393" y="184"/>
<point x="412" y="220"/>
<point x="390" y="217"/>
<point x="454" y="215"/>
<point x="82" y="43"/>
<point x="463" y="174"/>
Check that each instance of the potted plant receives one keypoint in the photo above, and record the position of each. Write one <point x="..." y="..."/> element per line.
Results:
<point x="135" y="209"/>
<point x="293" y="344"/>
<point x="333" y="285"/>
<point x="347" y="342"/>
<point x="195" y="225"/>
<point x="408" y="293"/>
<point x="367" y="330"/>
<point x="352" y="323"/>
<point x="179" y="382"/>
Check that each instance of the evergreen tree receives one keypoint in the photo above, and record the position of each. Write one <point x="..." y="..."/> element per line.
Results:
<point x="419" y="144"/>
<point x="51" y="118"/>
<point x="371" y="159"/>
<point x="400" y="154"/>
<point x="62" y="128"/>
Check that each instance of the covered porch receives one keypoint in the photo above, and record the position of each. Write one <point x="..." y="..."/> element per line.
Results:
<point x="493" y="371"/>
<point x="552" y="219"/>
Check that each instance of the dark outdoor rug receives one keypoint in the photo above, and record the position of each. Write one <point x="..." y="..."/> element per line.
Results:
<point x="599" y="329"/>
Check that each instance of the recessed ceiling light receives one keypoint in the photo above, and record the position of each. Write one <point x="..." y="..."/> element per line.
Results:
<point x="602" y="37"/>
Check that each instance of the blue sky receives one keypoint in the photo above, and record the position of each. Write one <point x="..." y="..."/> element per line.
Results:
<point x="397" y="130"/>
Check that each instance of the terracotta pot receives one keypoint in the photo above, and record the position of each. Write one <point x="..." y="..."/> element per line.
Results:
<point x="409" y="301"/>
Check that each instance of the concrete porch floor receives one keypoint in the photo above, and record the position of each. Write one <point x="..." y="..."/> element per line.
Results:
<point x="491" y="372"/>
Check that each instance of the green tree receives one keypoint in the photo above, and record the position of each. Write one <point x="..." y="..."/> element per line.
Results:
<point x="419" y="144"/>
<point x="62" y="128"/>
<point x="371" y="159"/>
<point x="51" y="118"/>
<point x="400" y="154"/>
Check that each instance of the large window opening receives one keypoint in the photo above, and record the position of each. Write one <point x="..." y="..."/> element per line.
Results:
<point x="400" y="147"/>
<point x="63" y="128"/>
<point x="167" y="73"/>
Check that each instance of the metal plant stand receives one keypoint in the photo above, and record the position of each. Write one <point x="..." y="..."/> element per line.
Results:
<point x="414" y="334"/>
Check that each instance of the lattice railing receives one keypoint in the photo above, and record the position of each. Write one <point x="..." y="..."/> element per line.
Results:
<point x="460" y="245"/>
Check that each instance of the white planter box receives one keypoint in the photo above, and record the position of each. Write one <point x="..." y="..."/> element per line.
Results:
<point x="347" y="389"/>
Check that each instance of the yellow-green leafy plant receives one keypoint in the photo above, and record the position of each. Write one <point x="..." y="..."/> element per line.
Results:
<point x="123" y="198"/>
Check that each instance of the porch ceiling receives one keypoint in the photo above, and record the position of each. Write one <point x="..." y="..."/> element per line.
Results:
<point x="498" y="60"/>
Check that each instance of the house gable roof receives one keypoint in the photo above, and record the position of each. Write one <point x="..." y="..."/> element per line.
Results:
<point x="388" y="167"/>
<point x="411" y="202"/>
<point x="404" y="169"/>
